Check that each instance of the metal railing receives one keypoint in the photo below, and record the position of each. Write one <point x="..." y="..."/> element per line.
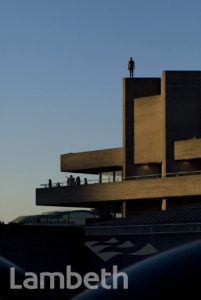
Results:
<point x="173" y="228"/>
<point x="136" y="177"/>
<point x="61" y="184"/>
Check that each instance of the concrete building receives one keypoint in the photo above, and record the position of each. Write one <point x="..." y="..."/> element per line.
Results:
<point x="159" y="164"/>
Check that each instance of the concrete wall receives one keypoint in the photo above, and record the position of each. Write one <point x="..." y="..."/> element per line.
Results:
<point x="149" y="130"/>
<point x="134" y="88"/>
<point x="187" y="149"/>
<point x="92" y="161"/>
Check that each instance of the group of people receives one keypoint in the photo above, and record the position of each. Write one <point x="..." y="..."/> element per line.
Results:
<point x="75" y="181"/>
<point x="70" y="181"/>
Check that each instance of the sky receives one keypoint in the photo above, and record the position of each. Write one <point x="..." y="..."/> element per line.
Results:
<point x="61" y="69"/>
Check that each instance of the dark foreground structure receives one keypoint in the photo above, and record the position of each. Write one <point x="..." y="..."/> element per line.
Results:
<point x="170" y="275"/>
<point x="121" y="243"/>
<point x="159" y="164"/>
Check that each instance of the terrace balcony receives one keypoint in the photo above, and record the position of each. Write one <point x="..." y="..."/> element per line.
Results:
<point x="182" y="184"/>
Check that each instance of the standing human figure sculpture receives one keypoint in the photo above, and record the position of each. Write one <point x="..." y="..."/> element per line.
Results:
<point x="131" y="66"/>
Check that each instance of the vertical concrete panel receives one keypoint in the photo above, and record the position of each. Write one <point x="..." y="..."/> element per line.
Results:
<point x="148" y="130"/>
<point x="183" y="107"/>
<point x="187" y="149"/>
<point x="134" y="88"/>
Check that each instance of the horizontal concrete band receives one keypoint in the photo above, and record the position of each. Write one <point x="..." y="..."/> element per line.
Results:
<point x="85" y="195"/>
<point x="187" y="149"/>
<point x="92" y="161"/>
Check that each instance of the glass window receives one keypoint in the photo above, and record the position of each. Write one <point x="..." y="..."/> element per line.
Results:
<point x="118" y="176"/>
<point x="114" y="176"/>
<point x="107" y="177"/>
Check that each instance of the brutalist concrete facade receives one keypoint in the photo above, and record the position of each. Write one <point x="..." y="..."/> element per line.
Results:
<point x="160" y="158"/>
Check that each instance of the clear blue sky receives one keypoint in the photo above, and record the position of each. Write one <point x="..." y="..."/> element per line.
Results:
<point x="61" y="69"/>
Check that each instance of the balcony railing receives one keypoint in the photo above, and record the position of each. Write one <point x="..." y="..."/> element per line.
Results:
<point x="138" y="177"/>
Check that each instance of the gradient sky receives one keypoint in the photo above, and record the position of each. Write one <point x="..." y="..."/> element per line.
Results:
<point x="61" y="69"/>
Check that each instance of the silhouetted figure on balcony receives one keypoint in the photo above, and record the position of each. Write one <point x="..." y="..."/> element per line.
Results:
<point x="72" y="180"/>
<point x="85" y="181"/>
<point x="50" y="183"/>
<point x="131" y="67"/>
<point x="78" y="180"/>
<point x="58" y="184"/>
<point x="68" y="181"/>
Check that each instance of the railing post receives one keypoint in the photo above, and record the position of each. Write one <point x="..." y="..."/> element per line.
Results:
<point x="124" y="209"/>
<point x="163" y="204"/>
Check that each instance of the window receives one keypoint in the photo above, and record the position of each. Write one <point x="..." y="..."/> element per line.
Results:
<point x="114" y="176"/>
<point x="107" y="177"/>
<point x="118" y="176"/>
